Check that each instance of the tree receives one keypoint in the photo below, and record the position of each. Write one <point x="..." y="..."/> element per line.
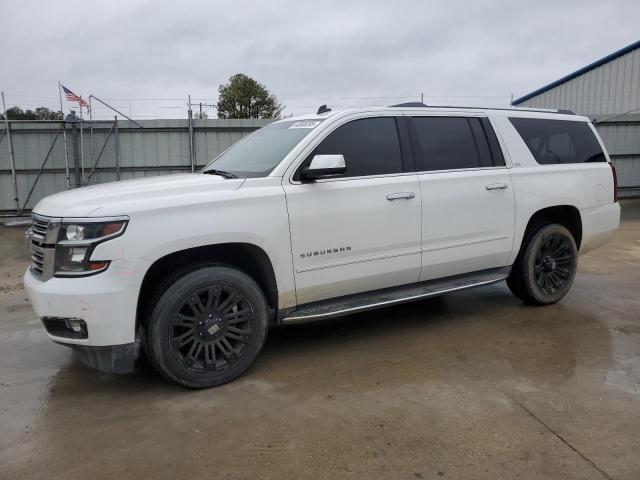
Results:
<point x="243" y="97"/>
<point x="40" y="113"/>
<point x="43" y="113"/>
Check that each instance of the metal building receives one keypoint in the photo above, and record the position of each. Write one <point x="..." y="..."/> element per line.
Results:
<point x="608" y="92"/>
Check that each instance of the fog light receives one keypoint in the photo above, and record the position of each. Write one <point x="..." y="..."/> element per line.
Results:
<point x="66" y="327"/>
<point x="74" y="325"/>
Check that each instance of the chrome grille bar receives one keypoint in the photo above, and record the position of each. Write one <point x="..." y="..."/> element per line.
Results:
<point x="40" y="227"/>
<point x="42" y="238"/>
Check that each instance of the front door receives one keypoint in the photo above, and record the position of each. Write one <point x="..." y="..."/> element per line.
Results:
<point x="361" y="231"/>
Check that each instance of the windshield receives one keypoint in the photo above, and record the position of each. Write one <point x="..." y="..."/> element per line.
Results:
<point x="259" y="153"/>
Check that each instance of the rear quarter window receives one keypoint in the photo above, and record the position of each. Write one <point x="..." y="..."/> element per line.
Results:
<point x="559" y="141"/>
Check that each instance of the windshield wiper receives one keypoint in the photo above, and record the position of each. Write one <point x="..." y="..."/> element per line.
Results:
<point x="222" y="173"/>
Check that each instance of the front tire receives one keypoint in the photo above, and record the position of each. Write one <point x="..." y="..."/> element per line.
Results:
<point x="545" y="269"/>
<point x="207" y="327"/>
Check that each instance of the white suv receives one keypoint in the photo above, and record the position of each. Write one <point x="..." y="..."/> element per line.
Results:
<point x="313" y="217"/>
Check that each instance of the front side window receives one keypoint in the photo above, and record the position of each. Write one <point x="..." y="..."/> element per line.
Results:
<point x="559" y="141"/>
<point x="259" y="153"/>
<point x="370" y="146"/>
<point x="450" y="143"/>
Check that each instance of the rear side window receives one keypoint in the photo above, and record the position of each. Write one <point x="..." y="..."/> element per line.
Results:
<point x="449" y="143"/>
<point x="559" y="141"/>
<point x="370" y="147"/>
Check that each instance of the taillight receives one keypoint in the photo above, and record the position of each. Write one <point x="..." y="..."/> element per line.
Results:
<point x="615" y="182"/>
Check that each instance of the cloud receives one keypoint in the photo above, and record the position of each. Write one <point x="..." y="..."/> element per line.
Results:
<point x="307" y="53"/>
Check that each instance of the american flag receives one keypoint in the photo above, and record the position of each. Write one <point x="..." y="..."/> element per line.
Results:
<point x="72" y="97"/>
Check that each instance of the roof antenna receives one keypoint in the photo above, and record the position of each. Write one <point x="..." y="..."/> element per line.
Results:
<point x="323" y="109"/>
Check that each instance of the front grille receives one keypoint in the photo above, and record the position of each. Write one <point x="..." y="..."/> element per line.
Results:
<point x="37" y="257"/>
<point x="42" y="237"/>
<point x="40" y="226"/>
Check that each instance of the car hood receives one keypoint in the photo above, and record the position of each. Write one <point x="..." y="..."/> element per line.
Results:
<point x="121" y="198"/>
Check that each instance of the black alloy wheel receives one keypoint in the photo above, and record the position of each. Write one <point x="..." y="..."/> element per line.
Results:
<point x="546" y="266"/>
<point x="207" y="326"/>
<point x="553" y="264"/>
<point x="211" y="329"/>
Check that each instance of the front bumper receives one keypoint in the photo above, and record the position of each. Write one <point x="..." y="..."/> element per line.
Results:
<point x="106" y="302"/>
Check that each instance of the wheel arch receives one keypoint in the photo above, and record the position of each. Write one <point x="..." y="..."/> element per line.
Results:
<point x="566" y="215"/>
<point x="246" y="257"/>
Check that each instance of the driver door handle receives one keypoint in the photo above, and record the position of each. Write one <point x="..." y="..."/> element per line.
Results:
<point x="496" y="186"/>
<point x="400" y="195"/>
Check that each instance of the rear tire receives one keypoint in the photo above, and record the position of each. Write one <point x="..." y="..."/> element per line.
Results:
<point x="546" y="267"/>
<point x="207" y="326"/>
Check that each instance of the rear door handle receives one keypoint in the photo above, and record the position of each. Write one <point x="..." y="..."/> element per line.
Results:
<point x="400" y="195"/>
<point x="497" y="186"/>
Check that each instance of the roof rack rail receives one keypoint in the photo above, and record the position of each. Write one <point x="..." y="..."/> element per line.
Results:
<point x="515" y="109"/>
<point x="410" y="104"/>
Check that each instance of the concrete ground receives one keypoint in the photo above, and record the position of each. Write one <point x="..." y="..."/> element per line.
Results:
<point x="473" y="385"/>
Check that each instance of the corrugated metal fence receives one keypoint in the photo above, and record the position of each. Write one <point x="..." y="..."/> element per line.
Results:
<point x="621" y="135"/>
<point x="121" y="151"/>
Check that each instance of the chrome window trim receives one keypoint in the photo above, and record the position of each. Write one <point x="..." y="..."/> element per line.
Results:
<point x="472" y="169"/>
<point x="363" y="177"/>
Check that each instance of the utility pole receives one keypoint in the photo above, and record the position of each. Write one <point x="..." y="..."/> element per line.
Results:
<point x="116" y="146"/>
<point x="12" y="159"/>
<point x="200" y="106"/>
<point x="422" y="98"/>
<point x="91" y="135"/>
<point x="192" y="159"/>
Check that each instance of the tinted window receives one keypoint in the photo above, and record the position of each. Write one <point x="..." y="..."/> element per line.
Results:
<point x="482" y="143"/>
<point x="370" y="147"/>
<point x="447" y="143"/>
<point x="494" y="145"/>
<point x="559" y="141"/>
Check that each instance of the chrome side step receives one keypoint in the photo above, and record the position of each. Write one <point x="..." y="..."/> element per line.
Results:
<point x="392" y="296"/>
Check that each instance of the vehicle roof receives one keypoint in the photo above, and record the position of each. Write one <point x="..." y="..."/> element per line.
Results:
<point x="443" y="109"/>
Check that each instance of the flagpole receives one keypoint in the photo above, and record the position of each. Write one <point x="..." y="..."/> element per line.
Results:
<point x="91" y="129"/>
<point x="64" y="136"/>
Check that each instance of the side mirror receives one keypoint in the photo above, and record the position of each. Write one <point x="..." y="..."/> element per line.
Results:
<point x="324" y="166"/>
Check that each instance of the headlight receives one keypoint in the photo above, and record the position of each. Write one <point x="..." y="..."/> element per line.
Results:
<point x="74" y="232"/>
<point x="76" y="242"/>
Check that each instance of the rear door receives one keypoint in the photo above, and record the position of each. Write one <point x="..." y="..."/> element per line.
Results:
<point x="361" y="231"/>
<point x="467" y="195"/>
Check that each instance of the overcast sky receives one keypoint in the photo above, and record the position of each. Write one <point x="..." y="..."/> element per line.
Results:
<point x="146" y="56"/>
